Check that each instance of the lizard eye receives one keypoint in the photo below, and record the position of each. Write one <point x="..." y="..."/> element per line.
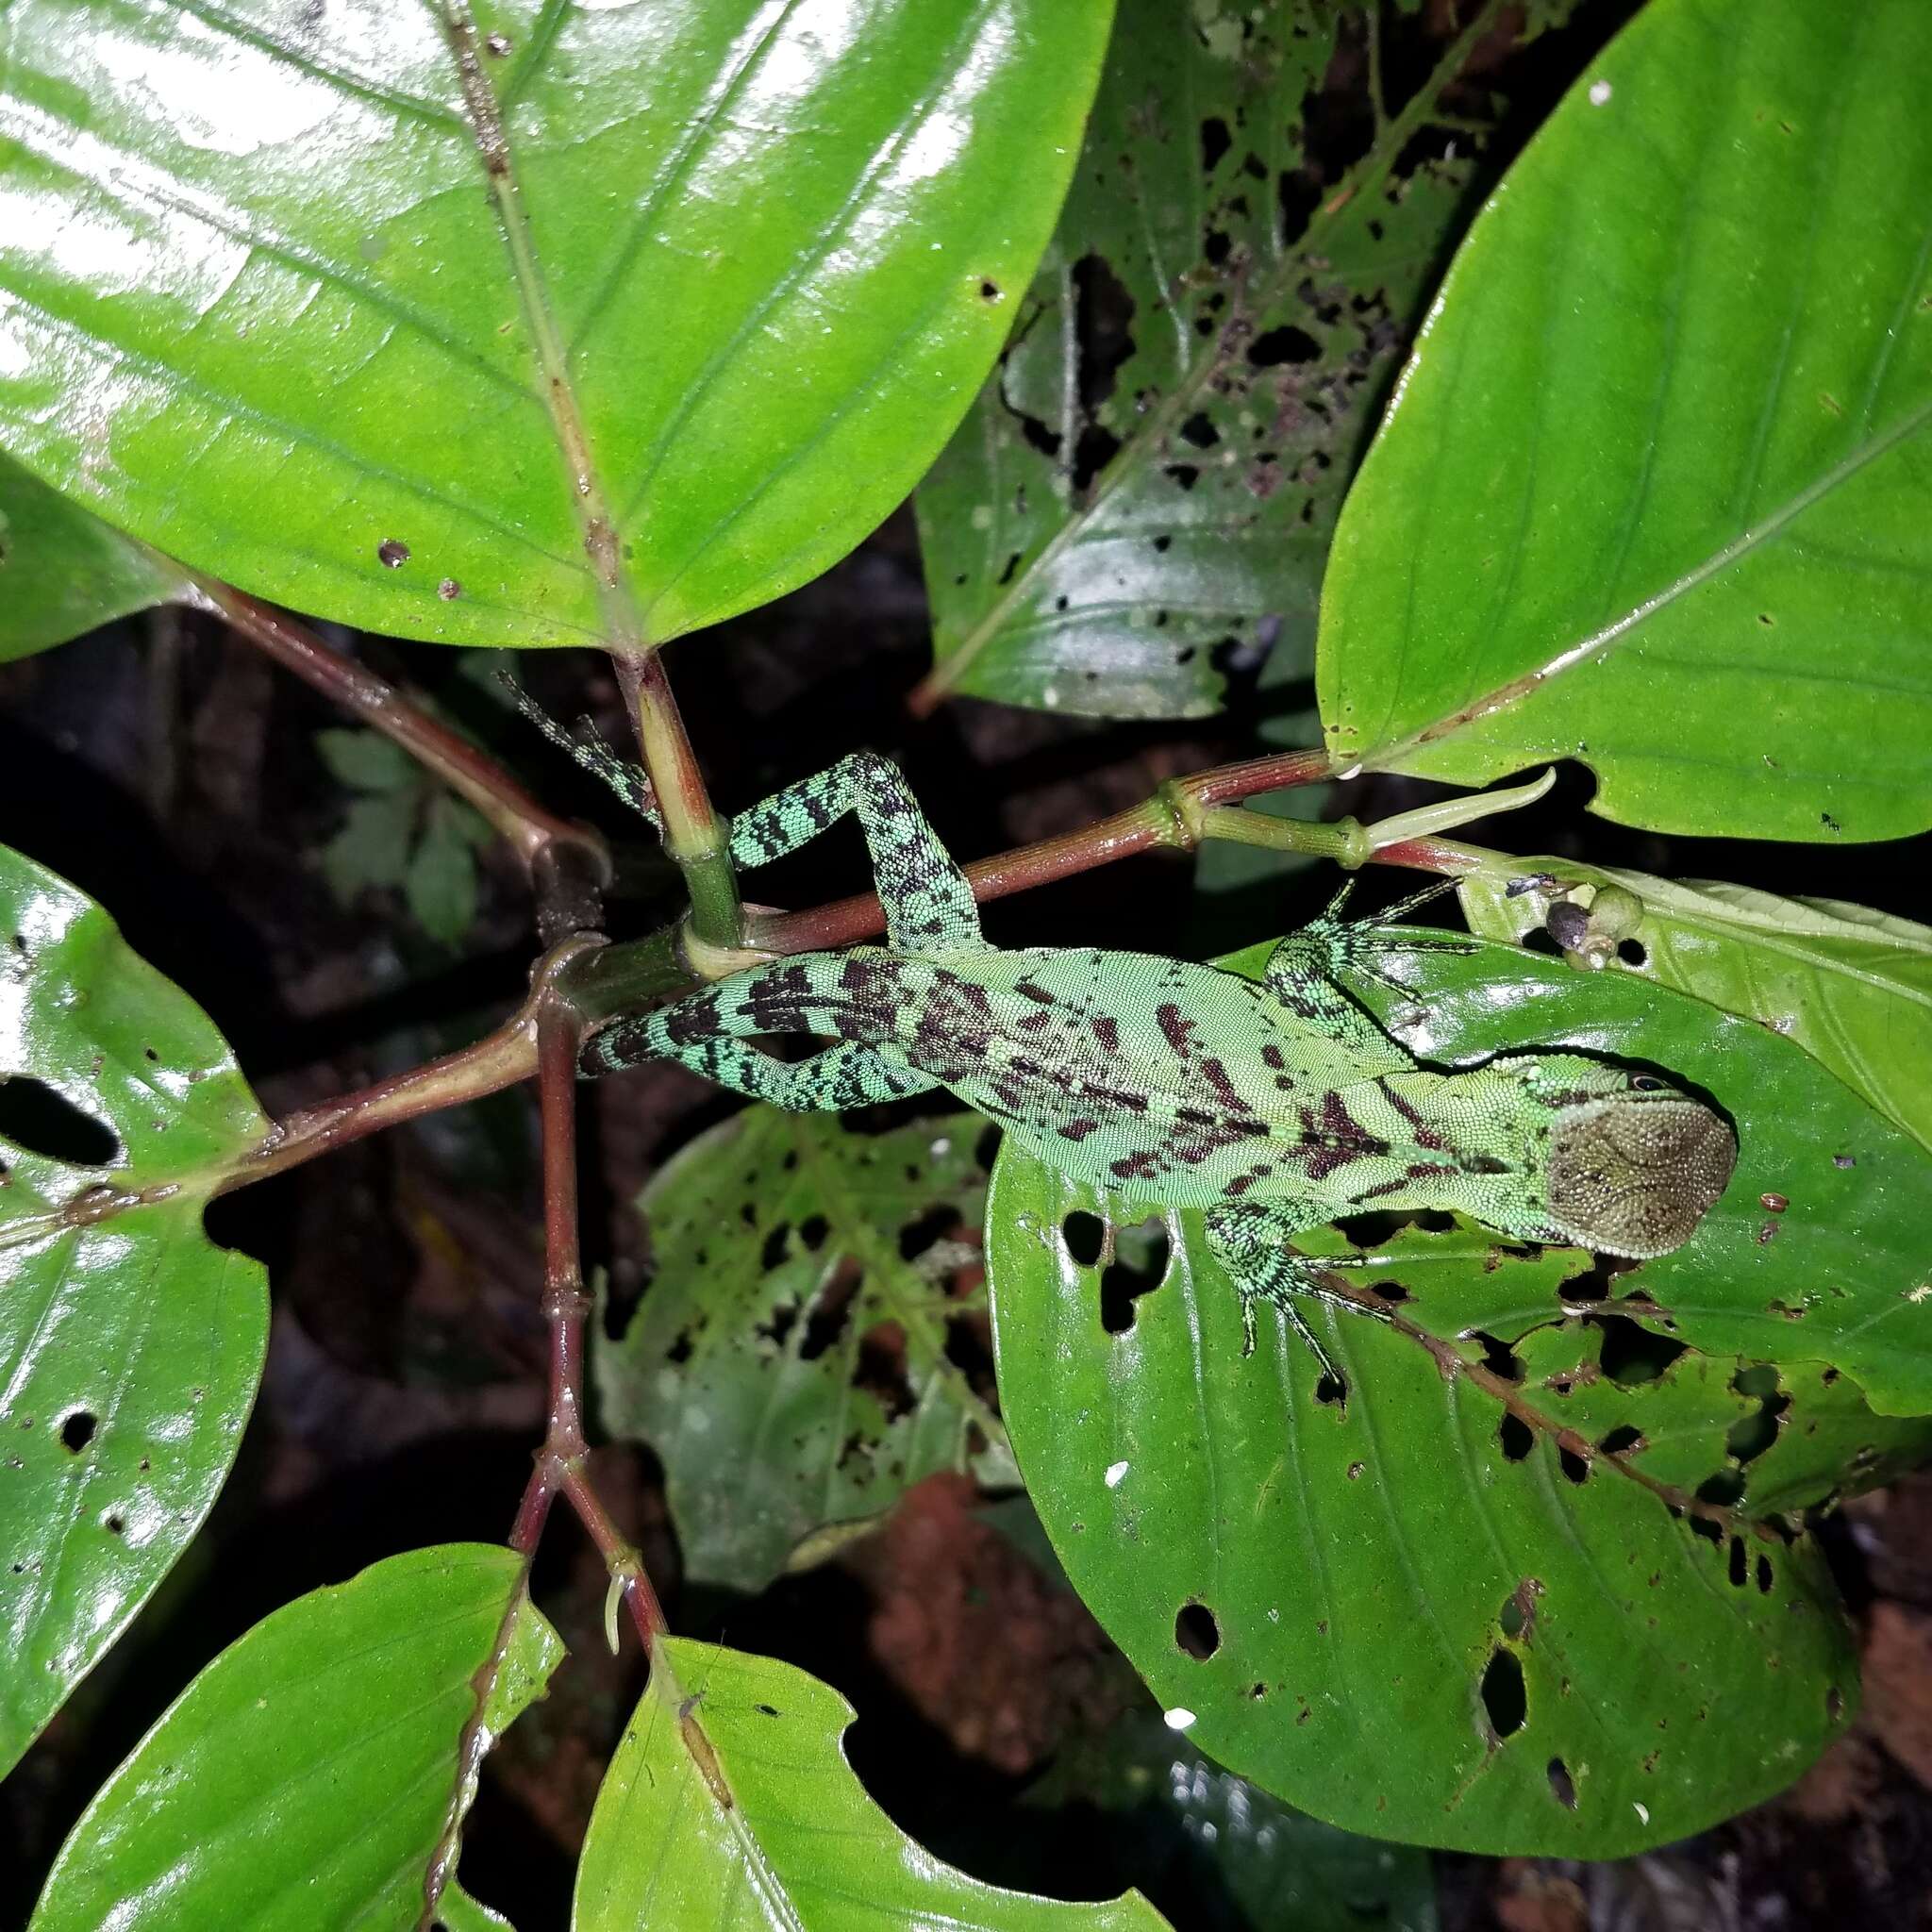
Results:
<point x="1646" y="1083"/>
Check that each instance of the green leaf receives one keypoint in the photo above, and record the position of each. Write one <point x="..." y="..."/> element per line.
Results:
<point x="430" y="326"/>
<point x="1835" y="1276"/>
<point x="62" y="572"/>
<point x="1655" y="490"/>
<point x="133" y="1345"/>
<point x="457" y="1911"/>
<point x="1851" y="986"/>
<point x="1327" y="1591"/>
<point x="307" y="1776"/>
<point x="1149" y="478"/>
<point x="730" y="1805"/>
<point x="368" y="762"/>
<point x="441" y="884"/>
<point x="373" y="846"/>
<point x="789" y="1362"/>
<point x="1244" y="1862"/>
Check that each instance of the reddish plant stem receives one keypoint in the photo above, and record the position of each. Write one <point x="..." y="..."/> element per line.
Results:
<point x="1169" y="820"/>
<point x="471" y="774"/>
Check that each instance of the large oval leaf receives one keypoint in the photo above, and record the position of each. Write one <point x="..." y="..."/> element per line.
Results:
<point x="132" y="1345"/>
<point x="1522" y="1440"/>
<point x="790" y="1363"/>
<point x="62" y="571"/>
<point x="307" y="1777"/>
<point x="730" y="1805"/>
<point x="1655" y="490"/>
<point x="750" y="258"/>
<point x="1395" y="1615"/>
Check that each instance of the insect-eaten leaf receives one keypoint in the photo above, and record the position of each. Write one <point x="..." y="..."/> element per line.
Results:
<point x="1539" y="1557"/>
<point x="811" y="1342"/>
<point x="134" y="1343"/>
<point x="730" y="1804"/>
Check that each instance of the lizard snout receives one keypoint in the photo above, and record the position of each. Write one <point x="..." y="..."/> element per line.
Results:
<point x="1634" y="1176"/>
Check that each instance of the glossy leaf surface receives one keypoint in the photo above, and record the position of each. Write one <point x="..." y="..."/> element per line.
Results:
<point x="62" y="572"/>
<point x="789" y="1361"/>
<point x="257" y="305"/>
<point x="1521" y="1481"/>
<point x="1851" y="986"/>
<point x="1145" y="488"/>
<point x="306" y="1777"/>
<point x="729" y="1805"/>
<point x="133" y="1344"/>
<point x="1655" y="491"/>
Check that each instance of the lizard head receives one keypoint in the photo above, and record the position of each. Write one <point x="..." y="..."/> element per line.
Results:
<point x="1633" y="1163"/>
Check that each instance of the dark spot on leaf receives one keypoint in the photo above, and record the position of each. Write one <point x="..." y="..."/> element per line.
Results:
<point x="986" y="1149"/>
<point x="812" y="1232"/>
<point x="1138" y="1268"/>
<point x="1630" y="1355"/>
<point x="1085" y="1236"/>
<point x="682" y="1348"/>
<point x="1162" y="546"/>
<point x="392" y="553"/>
<point x="881" y="1369"/>
<point x="498" y="44"/>
<point x="1005" y="577"/>
<point x="115" y="1524"/>
<point x="449" y="589"/>
<point x="1836" y="1159"/>
<point x="1216" y="246"/>
<point x="1196" y="1632"/>
<point x="916" y="1237"/>
<point x="1199" y="432"/>
<point x="1096" y="448"/>
<point x="1562" y="1786"/>
<point x="829" y="1314"/>
<point x="1186" y="474"/>
<point x="77" y="1432"/>
<point x="1516" y="1436"/>
<point x="777" y="1244"/>
<point x="1215" y="142"/>
<point x="991" y="292"/>
<point x="36" y="1117"/>
<point x="1285" y="344"/>
<point x="1504" y="1701"/>
<point x="764" y="1710"/>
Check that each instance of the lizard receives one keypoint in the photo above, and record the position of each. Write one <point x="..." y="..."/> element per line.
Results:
<point x="1275" y="1106"/>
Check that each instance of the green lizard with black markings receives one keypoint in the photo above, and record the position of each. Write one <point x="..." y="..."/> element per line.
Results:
<point x="1275" y="1106"/>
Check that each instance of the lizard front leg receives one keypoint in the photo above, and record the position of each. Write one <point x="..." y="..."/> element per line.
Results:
<point x="1253" y="1242"/>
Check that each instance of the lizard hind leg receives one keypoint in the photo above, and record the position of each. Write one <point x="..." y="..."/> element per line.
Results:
<point x="929" y="904"/>
<point x="1252" y="1242"/>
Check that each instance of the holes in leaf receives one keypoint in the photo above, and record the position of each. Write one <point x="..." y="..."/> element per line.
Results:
<point x="1632" y="952"/>
<point x="1517" y="1438"/>
<point x="812" y="1232"/>
<point x="1575" y="1467"/>
<point x="1199" y="432"/>
<point x="1215" y="142"/>
<point x="1562" y="1786"/>
<point x="1139" y="1267"/>
<point x="932" y="1227"/>
<point x="1186" y="474"/>
<point x="1622" y="1440"/>
<point x="1722" y="1491"/>
<point x="1498" y="1356"/>
<point x="1096" y="448"/>
<point x="777" y="1244"/>
<point x="392" y="553"/>
<point x="880" y="1370"/>
<point x="682" y="1348"/>
<point x="1765" y="1575"/>
<point x="829" y="1314"/>
<point x="985" y="1150"/>
<point x="1704" y="1526"/>
<point x="1288" y="344"/>
<point x="77" y="1432"/>
<point x="1331" y="1389"/>
<point x="990" y="291"/>
<point x="34" y="1116"/>
<point x="1196" y="1632"/>
<point x="1630" y="1355"/>
<point x="114" y="1523"/>
<point x="1739" y="1566"/>
<point x="1539" y="941"/>
<point x="1085" y="1236"/>
<point x="1506" y="1704"/>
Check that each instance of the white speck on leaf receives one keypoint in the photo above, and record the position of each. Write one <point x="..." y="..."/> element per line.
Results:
<point x="1643" y="1811"/>
<point x="1178" y="1719"/>
<point x="1114" y="1473"/>
<point x="1599" y="93"/>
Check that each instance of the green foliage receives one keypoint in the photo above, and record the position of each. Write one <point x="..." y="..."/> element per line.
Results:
<point x="1851" y="986"/>
<point x="1655" y="491"/>
<point x="1151" y="475"/>
<point x="1525" y="1435"/>
<point x="133" y="1344"/>
<point x="403" y="831"/>
<point x="62" y="571"/>
<point x="309" y="1776"/>
<point x="730" y="1805"/>
<point x="754" y="268"/>
<point x="789" y="1360"/>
